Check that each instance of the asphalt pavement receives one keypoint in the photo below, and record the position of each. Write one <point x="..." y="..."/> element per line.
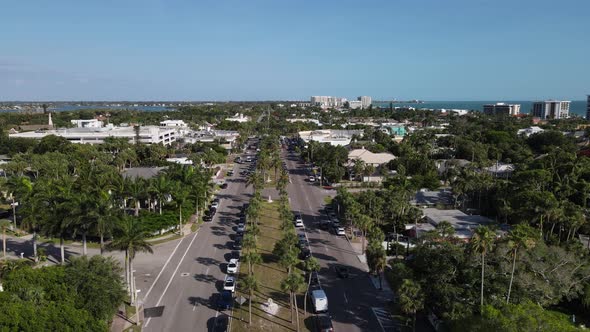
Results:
<point x="185" y="293"/>
<point x="350" y="300"/>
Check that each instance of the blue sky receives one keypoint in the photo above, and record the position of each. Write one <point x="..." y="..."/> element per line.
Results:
<point x="291" y="49"/>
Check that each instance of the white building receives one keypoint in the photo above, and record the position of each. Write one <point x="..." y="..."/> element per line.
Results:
<point x="551" y="109"/>
<point x="529" y="131"/>
<point x="369" y="158"/>
<point x="92" y="123"/>
<point x="502" y="108"/>
<point x="366" y="101"/>
<point x="355" y="104"/>
<point x="173" y="123"/>
<point x="293" y="120"/>
<point x="239" y="117"/>
<point x="327" y="101"/>
<point x="331" y="136"/>
<point x="146" y="134"/>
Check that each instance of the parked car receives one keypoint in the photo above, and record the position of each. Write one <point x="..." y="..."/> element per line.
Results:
<point x="311" y="179"/>
<point x="298" y="221"/>
<point x="215" y="204"/>
<point x="303" y="243"/>
<point x="305" y="253"/>
<point x="301" y="236"/>
<point x="341" y="271"/>
<point x="221" y="323"/>
<point x="238" y="243"/>
<point x="230" y="172"/>
<point x="315" y="280"/>
<point x="224" y="300"/>
<point x="207" y="217"/>
<point x="241" y="228"/>
<point x="229" y="284"/>
<point x="223" y="185"/>
<point x="325" y="223"/>
<point x="340" y="231"/>
<point x="324" y="323"/>
<point x="232" y="266"/>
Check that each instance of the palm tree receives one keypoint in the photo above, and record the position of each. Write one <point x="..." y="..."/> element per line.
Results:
<point x="311" y="265"/>
<point x="130" y="238"/>
<point x="411" y="299"/>
<point x="376" y="259"/>
<point x="255" y="180"/>
<point x="252" y="258"/>
<point x="482" y="242"/>
<point x="180" y="196"/>
<point x="521" y="236"/>
<point x="135" y="189"/>
<point x="364" y="222"/>
<point x="4" y="223"/>
<point x="250" y="285"/>
<point x="289" y="259"/>
<point x="293" y="284"/>
<point x="160" y="188"/>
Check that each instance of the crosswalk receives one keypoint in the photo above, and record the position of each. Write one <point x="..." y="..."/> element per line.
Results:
<point x="386" y="321"/>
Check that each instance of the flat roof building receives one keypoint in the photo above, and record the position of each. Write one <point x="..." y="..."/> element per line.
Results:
<point x="501" y="108"/>
<point x="551" y="109"/>
<point x="332" y="136"/>
<point x="146" y="134"/>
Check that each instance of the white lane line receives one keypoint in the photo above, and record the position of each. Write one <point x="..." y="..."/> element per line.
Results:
<point x="207" y="272"/>
<point x="345" y="298"/>
<point x="162" y="270"/>
<point x="173" y="274"/>
<point x="194" y="306"/>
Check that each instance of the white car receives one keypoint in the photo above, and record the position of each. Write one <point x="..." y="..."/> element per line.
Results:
<point x="298" y="221"/>
<point x="215" y="204"/>
<point x="312" y="179"/>
<point x="232" y="266"/>
<point x="229" y="284"/>
<point x="340" y="231"/>
<point x="241" y="227"/>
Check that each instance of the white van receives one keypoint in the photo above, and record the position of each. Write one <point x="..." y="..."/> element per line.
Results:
<point x="319" y="300"/>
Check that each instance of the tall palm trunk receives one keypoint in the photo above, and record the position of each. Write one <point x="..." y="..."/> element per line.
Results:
<point x="62" y="250"/>
<point x="291" y="305"/>
<point x="137" y="208"/>
<point x="84" y="246"/>
<point x="305" y="296"/>
<point x="4" y="241"/>
<point x="296" y="310"/>
<point x="35" y="245"/>
<point x="250" y="308"/>
<point x="483" y="265"/>
<point x="511" y="277"/>
<point x="101" y="243"/>
<point x="160" y="202"/>
<point x="180" y="220"/>
<point x="127" y="270"/>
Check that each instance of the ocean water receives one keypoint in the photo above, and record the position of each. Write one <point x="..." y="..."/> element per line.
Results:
<point x="576" y="107"/>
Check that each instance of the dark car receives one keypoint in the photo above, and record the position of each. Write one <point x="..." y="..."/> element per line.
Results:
<point x="221" y="323"/>
<point x="303" y="243"/>
<point x="224" y="300"/>
<point x="324" y="323"/>
<point x="341" y="271"/>
<point x="325" y="223"/>
<point x="315" y="280"/>
<point x="238" y="243"/>
<point x="212" y="211"/>
<point x="207" y="217"/>
<point x="305" y="253"/>
<point x="223" y="185"/>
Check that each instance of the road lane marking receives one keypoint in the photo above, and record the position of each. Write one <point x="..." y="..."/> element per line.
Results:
<point x="207" y="272"/>
<point x="345" y="299"/>
<point x="163" y="267"/>
<point x="172" y="276"/>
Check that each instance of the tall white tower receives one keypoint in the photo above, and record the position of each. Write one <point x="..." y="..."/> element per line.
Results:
<point x="50" y="121"/>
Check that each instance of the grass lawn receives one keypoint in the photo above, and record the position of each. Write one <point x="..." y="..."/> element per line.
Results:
<point x="269" y="275"/>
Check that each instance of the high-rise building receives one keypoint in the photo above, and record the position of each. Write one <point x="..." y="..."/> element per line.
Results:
<point x="588" y="108"/>
<point x="327" y="101"/>
<point x="365" y="101"/>
<point x="501" y="108"/>
<point x="551" y="109"/>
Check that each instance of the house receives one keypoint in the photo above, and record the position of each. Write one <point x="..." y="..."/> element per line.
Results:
<point x="369" y="158"/>
<point x="142" y="172"/>
<point x="500" y="170"/>
<point x="331" y="136"/>
<point x="395" y="129"/>
<point x="463" y="224"/>
<point x="239" y="117"/>
<point x="530" y="131"/>
<point x="444" y="165"/>
<point x="428" y="198"/>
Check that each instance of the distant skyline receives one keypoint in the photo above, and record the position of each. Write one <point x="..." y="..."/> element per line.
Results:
<point x="455" y="50"/>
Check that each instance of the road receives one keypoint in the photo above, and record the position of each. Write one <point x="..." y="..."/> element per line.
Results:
<point x="195" y="273"/>
<point x="351" y="300"/>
